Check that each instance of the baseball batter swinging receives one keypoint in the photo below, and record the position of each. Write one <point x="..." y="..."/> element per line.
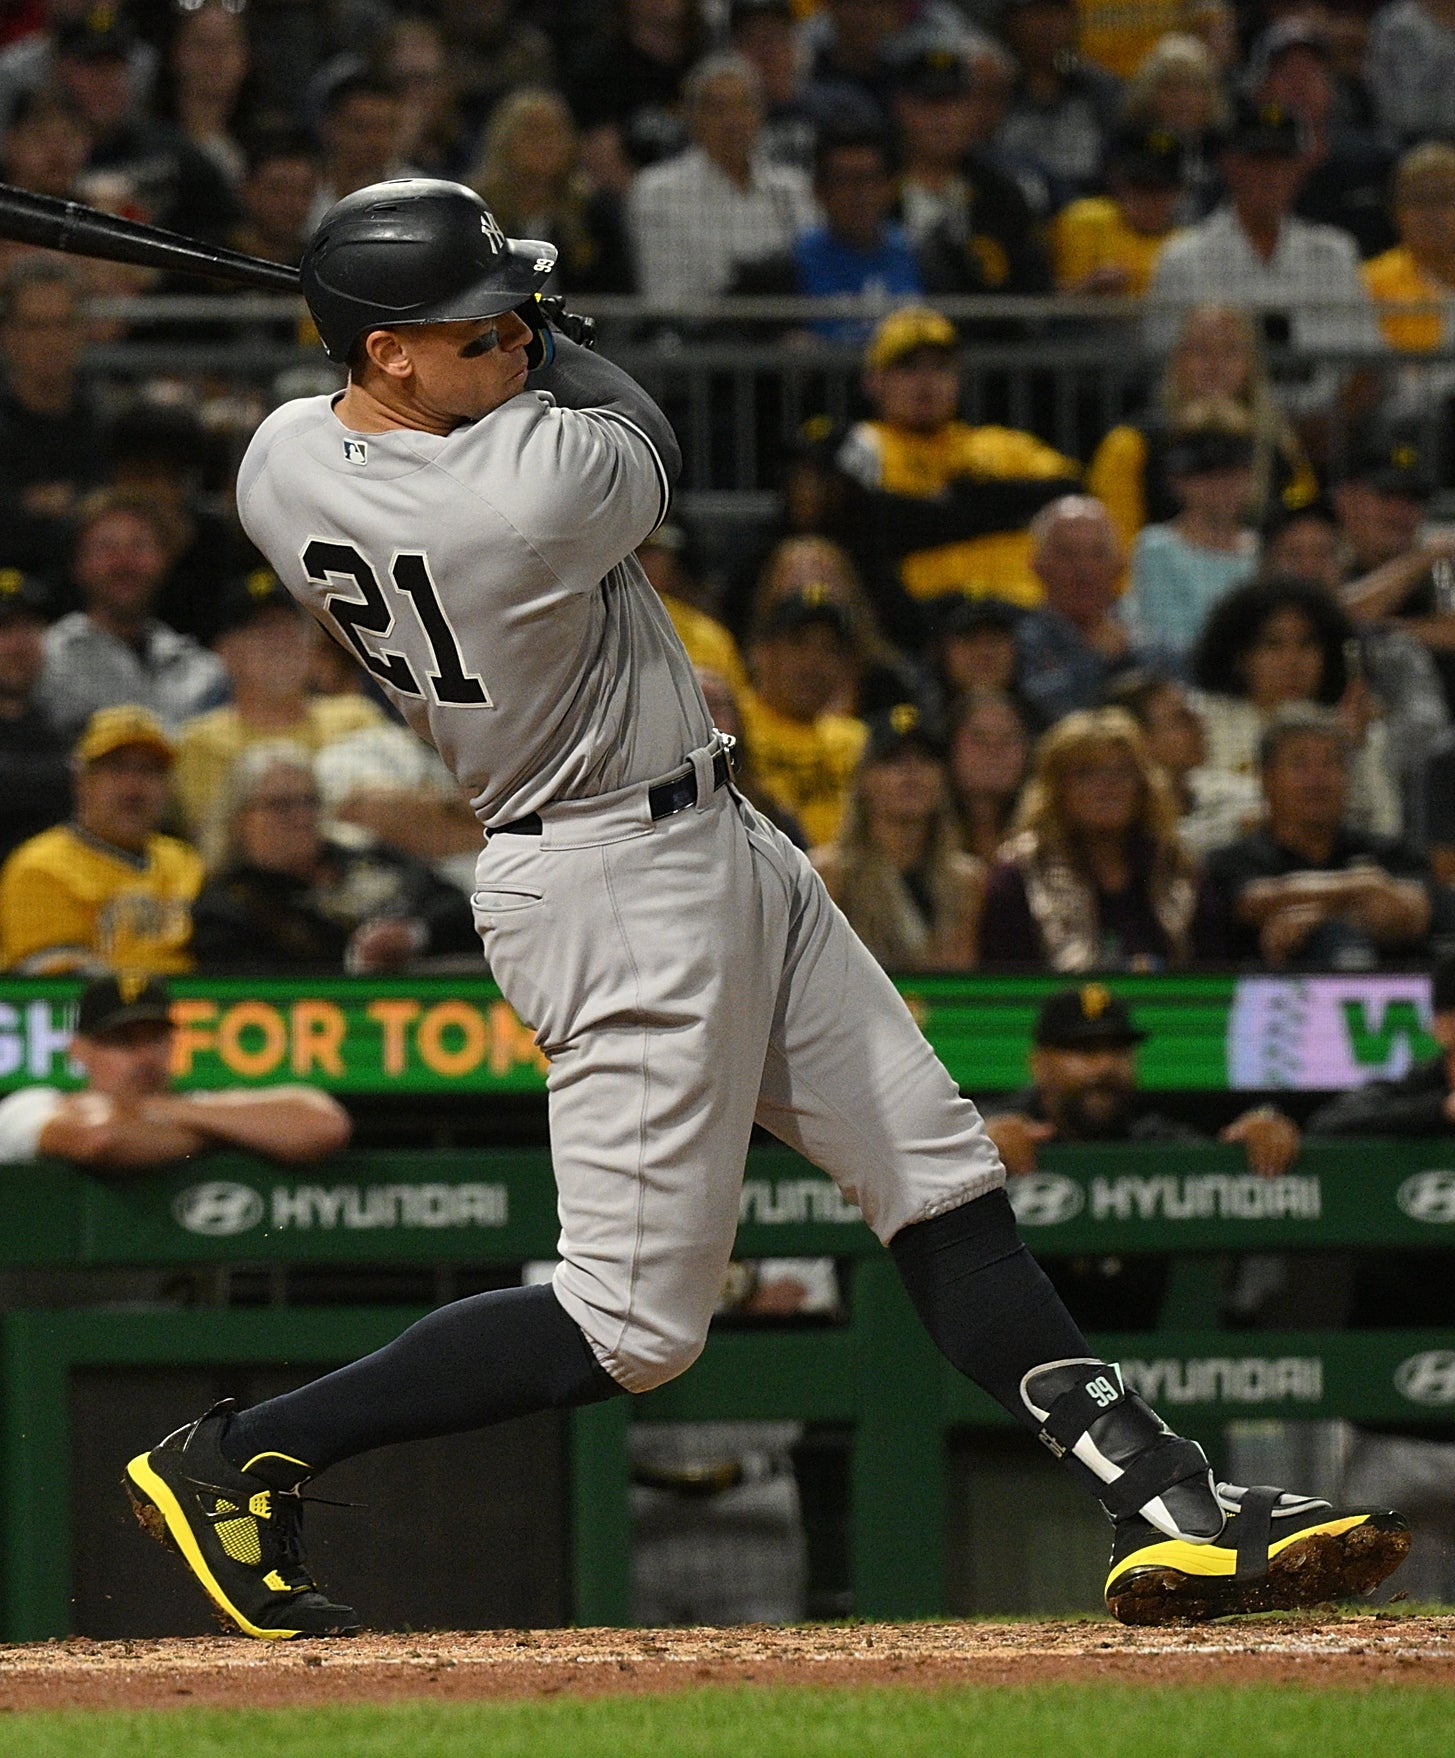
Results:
<point x="463" y="517"/>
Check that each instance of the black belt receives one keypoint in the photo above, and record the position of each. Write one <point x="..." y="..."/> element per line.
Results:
<point x="663" y="800"/>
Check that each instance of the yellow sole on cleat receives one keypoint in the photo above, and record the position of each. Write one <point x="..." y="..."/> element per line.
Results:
<point x="161" y="1515"/>
<point x="1178" y="1583"/>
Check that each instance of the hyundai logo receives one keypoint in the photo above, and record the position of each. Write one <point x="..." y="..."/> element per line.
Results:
<point x="1428" y="1196"/>
<point x="1044" y="1199"/>
<point x="218" y="1209"/>
<point x="1428" y="1378"/>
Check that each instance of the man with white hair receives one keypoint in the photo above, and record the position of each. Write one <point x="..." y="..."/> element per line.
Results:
<point x="1076" y="643"/>
<point x="694" y="218"/>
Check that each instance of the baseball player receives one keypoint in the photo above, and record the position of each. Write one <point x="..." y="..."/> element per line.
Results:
<point x="463" y="516"/>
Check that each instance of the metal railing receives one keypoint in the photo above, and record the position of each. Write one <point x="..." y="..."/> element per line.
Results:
<point x="741" y="377"/>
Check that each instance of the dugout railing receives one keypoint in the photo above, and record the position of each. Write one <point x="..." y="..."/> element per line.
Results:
<point x="875" y="1372"/>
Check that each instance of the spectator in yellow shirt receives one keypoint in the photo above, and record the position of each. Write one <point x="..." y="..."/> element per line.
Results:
<point x="805" y="755"/>
<point x="106" y="891"/>
<point x="1107" y="243"/>
<point x="942" y="506"/>
<point x="1420" y="269"/>
<point x="665" y="561"/>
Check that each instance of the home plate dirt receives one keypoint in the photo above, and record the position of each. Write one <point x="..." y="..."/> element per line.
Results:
<point x="192" y="1671"/>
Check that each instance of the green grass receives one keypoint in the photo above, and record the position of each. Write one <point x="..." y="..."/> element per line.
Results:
<point x="1052" y="1721"/>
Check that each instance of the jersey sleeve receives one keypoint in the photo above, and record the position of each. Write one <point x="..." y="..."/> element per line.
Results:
<point x="584" y="489"/>
<point x="23" y="1116"/>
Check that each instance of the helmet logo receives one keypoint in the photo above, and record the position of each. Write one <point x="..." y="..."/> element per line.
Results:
<point x="490" y="226"/>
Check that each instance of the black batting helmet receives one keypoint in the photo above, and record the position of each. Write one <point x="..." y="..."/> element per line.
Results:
<point x="415" y="250"/>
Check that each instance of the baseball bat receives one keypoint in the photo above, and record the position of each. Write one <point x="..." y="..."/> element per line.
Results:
<point x="45" y="220"/>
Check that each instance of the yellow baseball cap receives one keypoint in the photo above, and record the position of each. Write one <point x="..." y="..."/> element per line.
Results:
<point x="905" y="332"/>
<point x="109" y="729"/>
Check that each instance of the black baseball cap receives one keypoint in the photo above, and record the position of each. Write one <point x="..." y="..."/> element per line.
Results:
<point x="109" y="1003"/>
<point x="22" y="595"/>
<point x="931" y="74"/>
<point x="956" y="614"/>
<point x="1146" y="158"/>
<point x="1200" y="450"/>
<point x="101" y="34"/>
<point x="1393" y="464"/>
<point x="1264" y="131"/>
<point x="899" y="728"/>
<point x="251" y="597"/>
<point x="806" y="610"/>
<point x="742" y="10"/>
<point x="1078" y="1019"/>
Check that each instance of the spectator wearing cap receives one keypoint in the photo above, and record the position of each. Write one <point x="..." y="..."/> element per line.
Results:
<point x="1391" y="563"/>
<point x="1410" y="65"/>
<point x="1420" y="269"/>
<point x="990" y="752"/>
<point x="1093" y="876"/>
<point x="857" y="250"/>
<point x="1065" y="109"/>
<point x="966" y="214"/>
<point x="666" y="561"/>
<point x="694" y="219"/>
<point x="1217" y="354"/>
<point x="115" y="649"/>
<point x="1107" y="244"/>
<point x="1084" y="1089"/>
<point x="800" y="661"/>
<point x="125" y="1118"/>
<point x="1182" y="568"/>
<point x="35" y="768"/>
<point x="52" y="440"/>
<point x="1346" y="176"/>
<point x="854" y="46"/>
<point x="896" y="868"/>
<point x="1179" y="89"/>
<point x="174" y="182"/>
<point x="1308" y="544"/>
<point x="941" y="506"/>
<point x="28" y="63"/>
<point x="106" y="891"/>
<point x="1255" y="252"/>
<point x="1304" y="890"/>
<point x="972" y="646"/>
<point x="263" y="641"/>
<point x="1075" y="642"/>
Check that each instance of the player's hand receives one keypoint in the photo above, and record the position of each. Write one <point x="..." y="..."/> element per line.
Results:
<point x="542" y="315"/>
<point x="1269" y="1139"/>
<point x="1018" y="1139"/>
<point x="572" y="324"/>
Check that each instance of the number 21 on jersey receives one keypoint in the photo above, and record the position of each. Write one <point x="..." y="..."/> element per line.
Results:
<point x="330" y="564"/>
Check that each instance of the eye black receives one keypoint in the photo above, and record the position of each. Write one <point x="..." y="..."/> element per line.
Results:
<point x="482" y="344"/>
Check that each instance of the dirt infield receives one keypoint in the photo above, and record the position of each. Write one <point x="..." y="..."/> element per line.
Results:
<point x="1347" y="1650"/>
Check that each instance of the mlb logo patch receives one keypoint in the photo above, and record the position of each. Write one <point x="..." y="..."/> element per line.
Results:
<point x="355" y="452"/>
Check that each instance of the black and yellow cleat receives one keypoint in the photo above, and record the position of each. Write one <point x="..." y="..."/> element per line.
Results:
<point x="1278" y="1552"/>
<point x="240" y="1532"/>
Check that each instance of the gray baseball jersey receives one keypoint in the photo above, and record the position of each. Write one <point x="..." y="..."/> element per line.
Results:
<point x="485" y="579"/>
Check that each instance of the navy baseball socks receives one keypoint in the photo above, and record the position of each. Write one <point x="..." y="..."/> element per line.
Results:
<point x="1184" y="1549"/>
<point x="224" y="1492"/>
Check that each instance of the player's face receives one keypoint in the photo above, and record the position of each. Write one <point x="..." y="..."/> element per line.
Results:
<point x="134" y="1061"/>
<point x="457" y="372"/>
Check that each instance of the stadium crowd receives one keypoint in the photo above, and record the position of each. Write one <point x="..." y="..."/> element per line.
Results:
<point x="1183" y="698"/>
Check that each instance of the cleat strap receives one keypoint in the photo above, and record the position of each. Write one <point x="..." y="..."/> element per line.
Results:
<point x="1253" y="1531"/>
<point x="1073" y="1413"/>
<point x="1169" y="1460"/>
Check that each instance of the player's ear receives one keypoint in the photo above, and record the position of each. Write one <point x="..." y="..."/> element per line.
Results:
<point x="385" y="350"/>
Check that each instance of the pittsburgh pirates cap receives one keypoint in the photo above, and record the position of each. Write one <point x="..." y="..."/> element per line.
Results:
<point x="1264" y="131"/>
<point x="901" y="728"/>
<point x="22" y="595"/>
<point x="805" y="610"/>
<point x="1146" y="158"/>
<point x="110" y="729"/>
<point x="1077" y="1019"/>
<point x="933" y="74"/>
<point x="1393" y="463"/>
<point x="251" y="597"/>
<point x="905" y="332"/>
<point x="129" y="998"/>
